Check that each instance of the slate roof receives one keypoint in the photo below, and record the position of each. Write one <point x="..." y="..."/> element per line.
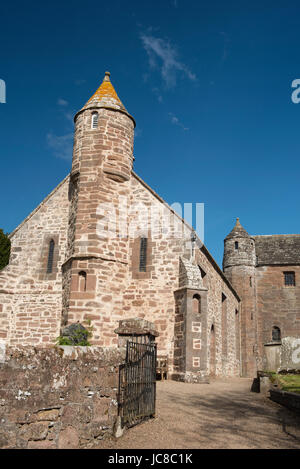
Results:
<point x="277" y="249"/>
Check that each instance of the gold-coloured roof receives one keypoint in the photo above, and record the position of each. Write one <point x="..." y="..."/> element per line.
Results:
<point x="105" y="96"/>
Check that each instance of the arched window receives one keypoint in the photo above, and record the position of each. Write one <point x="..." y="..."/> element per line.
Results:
<point x="236" y="245"/>
<point x="196" y="304"/>
<point x="143" y="255"/>
<point x="276" y="334"/>
<point x="82" y="281"/>
<point x="94" y="120"/>
<point x="50" y="257"/>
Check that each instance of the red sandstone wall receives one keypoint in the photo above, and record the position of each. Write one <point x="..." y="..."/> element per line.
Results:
<point x="239" y="276"/>
<point x="226" y="363"/>
<point x="30" y="299"/>
<point x="277" y="304"/>
<point x="115" y="289"/>
<point x="153" y="297"/>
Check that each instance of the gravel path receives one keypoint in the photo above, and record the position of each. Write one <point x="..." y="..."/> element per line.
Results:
<point x="222" y="414"/>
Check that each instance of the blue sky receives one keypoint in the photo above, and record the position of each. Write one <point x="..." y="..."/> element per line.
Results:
<point x="209" y="84"/>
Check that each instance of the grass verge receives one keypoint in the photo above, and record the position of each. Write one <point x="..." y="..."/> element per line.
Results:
<point x="288" y="382"/>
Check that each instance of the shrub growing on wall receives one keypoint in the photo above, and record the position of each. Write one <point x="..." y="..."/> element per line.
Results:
<point x="4" y="249"/>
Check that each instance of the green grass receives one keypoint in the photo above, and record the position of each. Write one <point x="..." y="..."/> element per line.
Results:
<point x="288" y="382"/>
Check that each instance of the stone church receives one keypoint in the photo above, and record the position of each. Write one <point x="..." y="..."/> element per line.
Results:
<point x="73" y="259"/>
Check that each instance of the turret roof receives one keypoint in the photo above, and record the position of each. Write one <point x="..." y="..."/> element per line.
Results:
<point x="238" y="231"/>
<point x="105" y="96"/>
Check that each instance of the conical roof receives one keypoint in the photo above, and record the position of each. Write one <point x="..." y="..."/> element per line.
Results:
<point x="238" y="231"/>
<point x="105" y="96"/>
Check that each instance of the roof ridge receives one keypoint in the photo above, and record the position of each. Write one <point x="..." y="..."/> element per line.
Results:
<point x="275" y="235"/>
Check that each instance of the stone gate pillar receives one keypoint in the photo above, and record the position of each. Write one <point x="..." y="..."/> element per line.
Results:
<point x="136" y="329"/>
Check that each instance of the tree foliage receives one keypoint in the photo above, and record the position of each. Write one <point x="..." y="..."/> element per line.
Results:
<point x="4" y="249"/>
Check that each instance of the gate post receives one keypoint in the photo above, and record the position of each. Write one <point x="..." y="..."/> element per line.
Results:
<point x="136" y="329"/>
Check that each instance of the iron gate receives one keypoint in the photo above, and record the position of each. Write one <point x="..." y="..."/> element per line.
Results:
<point x="137" y="383"/>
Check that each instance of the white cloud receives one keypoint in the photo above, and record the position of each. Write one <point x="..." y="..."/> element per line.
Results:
<point x="226" y="43"/>
<point x="68" y="115"/>
<point x="160" y="50"/>
<point x="64" y="109"/>
<point x="157" y="94"/>
<point x="176" y="121"/>
<point x="62" y="102"/>
<point x="62" y="145"/>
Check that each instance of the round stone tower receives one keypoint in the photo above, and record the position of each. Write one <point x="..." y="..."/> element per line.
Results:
<point x="239" y="249"/>
<point x="104" y="128"/>
<point x="100" y="178"/>
<point x="239" y="267"/>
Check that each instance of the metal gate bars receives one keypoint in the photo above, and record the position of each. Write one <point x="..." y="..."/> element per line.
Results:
<point x="137" y="384"/>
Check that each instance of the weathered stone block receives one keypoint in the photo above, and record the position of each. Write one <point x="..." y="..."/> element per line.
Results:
<point x="68" y="439"/>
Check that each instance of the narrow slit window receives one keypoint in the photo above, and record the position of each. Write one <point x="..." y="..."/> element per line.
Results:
<point x="94" y="120"/>
<point x="50" y="257"/>
<point x="143" y="254"/>
<point x="236" y="245"/>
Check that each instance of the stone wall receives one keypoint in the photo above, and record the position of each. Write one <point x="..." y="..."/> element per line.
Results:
<point x="283" y="355"/>
<point x="59" y="397"/>
<point x="30" y="299"/>
<point x="244" y="281"/>
<point x="277" y="304"/>
<point x="153" y="297"/>
<point x="291" y="400"/>
<point x="255" y="267"/>
<point x="225" y="364"/>
<point x="113" y="290"/>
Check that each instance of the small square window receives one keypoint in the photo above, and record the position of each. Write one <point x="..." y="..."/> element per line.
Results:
<point x="289" y="279"/>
